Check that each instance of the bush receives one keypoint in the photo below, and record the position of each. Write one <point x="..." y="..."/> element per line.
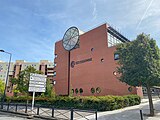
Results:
<point x="101" y="103"/>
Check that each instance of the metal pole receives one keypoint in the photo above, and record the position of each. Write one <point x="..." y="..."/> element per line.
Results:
<point x="96" y="115"/>
<point x="8" y="107"/>
<point x="141" y="114"/>
<point x="38" y="110"/>
<point x="68" y="73"/>
<point x="71" y="113"/>
<point x="4" y="93"/>
<point x="16" y="108"/>
<point x="26" y="108"/>
<point x="52" y="111"/>
<point x="33" y="101"/>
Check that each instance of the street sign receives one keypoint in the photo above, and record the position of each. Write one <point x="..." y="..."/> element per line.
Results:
<point x="37" y="83"/>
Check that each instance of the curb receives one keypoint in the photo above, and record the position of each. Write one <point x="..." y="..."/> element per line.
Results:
<point x="148" y="101"/>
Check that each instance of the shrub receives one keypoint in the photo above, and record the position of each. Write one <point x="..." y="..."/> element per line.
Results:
<point x="101" y="103"/>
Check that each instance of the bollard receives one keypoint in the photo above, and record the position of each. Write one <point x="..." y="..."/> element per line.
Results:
<point x="71" y="113"/>
<point x="26" y="108"/>
<point x="8" y="107"/>
<point x="16" y="108"/>
<point x="52" y="111"/>
<point x="96" y="114"/>
<point x="141" y="114"/>
<point x="38" y="110"/>
<point x="1" y="105"/>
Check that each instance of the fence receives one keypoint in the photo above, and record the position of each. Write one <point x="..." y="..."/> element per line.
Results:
<point x="49" y="111"/>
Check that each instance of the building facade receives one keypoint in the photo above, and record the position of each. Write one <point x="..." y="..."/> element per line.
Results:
<point x="44" y="66"/>
<point x="89" y="68"/>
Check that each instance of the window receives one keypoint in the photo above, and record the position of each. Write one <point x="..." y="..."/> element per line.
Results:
<point x="98" y="90"/>
<point x="56" y="56"/>
<point x="72" y="91"/>
<point x="114" y="73"/>
<point x="102" y="60"/>
<point x="116" y="56"/>
<point x="54" y="82"/>
<point x="76" y="90"/>
<point x="55" y="64"/>
<point x="92" y="90"/>
<point x="130" y="89"/>
<point x="80" y="90"/>
<point x="54" y="73"/>
<point x="112" y="40"/>
<point x="92" y="49"/>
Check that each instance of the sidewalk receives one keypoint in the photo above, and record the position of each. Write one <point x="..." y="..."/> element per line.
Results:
<point x="131" y="113"/>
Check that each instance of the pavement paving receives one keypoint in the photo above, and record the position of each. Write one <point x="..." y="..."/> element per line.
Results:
<point x="130" y="113"/>
<point x="11" y="116"/>
<point x="6" y="116"/>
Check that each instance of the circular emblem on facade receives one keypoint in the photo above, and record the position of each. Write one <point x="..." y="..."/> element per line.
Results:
<point x="73" y="64"/>
<point x="70" y="38"/>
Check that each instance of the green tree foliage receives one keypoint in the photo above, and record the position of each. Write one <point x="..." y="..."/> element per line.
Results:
<point x="50" y="92"/>
<point x="139" y="64"/>
<point x="22" y="82"/>
<point x="2" y="85"/>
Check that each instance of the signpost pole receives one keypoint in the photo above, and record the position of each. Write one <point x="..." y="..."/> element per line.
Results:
<point x="33" y="100"/>
<point x="37" y="83"/>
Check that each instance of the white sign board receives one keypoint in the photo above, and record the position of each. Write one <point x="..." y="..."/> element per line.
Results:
<point x="37" y="83"/>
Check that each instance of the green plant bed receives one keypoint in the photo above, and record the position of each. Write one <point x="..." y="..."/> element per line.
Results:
<point x="101" y="103"/>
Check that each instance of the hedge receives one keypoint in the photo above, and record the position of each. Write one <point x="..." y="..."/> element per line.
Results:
<point x="101" y="103"/>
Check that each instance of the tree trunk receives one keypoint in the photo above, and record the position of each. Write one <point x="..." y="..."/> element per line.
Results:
<point x="150" y="100"/>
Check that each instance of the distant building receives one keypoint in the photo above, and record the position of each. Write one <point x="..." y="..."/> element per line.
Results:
<point x="44" y="65"/>
<point x="4" y="69"/>
<point x="88" y="68"/>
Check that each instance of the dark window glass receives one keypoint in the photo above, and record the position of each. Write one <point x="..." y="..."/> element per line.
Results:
<point x="92" y="49"/>
<point x="102" y="60"/>
<point x="76" y="90"/>
<point x="92" y="90"/>
<point x="98" y="90"/>
<point x="130" y="89"/>
<point x="116" y="56"/>
<point x="80" y="90"/>
<point x="72" y="90"/>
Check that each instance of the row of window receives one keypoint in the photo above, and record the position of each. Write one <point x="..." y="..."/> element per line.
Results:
<point x="112" y="40"/>
<point x="2" y="75"/>
<point x="36" y="65"/>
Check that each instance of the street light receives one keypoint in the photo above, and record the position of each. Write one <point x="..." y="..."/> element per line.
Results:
<point x="4" y="94"/>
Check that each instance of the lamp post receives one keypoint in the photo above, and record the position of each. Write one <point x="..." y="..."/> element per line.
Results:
<point x="4" y="94"/>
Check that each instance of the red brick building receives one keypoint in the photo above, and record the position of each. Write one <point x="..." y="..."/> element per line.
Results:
<point x="88" y="69"/>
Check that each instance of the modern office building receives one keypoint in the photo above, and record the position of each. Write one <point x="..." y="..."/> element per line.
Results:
<point x="44" y="65"/>
<point x="85" y="63"/>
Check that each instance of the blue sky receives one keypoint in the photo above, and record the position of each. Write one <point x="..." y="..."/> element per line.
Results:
<point x="29" y="28"/>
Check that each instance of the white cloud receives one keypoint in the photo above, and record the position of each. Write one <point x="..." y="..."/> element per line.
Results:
<point x="94" y="13"/>
<point x="144" y="14"/>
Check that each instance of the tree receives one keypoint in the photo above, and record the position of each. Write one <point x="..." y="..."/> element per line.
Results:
<point x="22" y="82"/>
<point x="50" y="92"/>
<point x="2" y="85"/>
<point x="139" y="64"/>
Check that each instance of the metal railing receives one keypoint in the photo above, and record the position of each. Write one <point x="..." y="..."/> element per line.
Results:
<point x="50" y="111"/>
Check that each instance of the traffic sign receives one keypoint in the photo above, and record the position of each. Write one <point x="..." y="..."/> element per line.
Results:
<point x="37" y="83"/>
